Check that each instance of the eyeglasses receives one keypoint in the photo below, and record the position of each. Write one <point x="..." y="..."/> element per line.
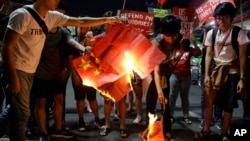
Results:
<point x="222" y="17"/>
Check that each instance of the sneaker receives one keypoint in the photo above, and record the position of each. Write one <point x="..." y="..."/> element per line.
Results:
<point x="62" y="134"/>
<point x="202" y="124"/>
<point x="172" y="120"/>
<point x="82" y="127"/>
<point x="137" y="120"/>
<point x="219" y="125"/>
<point x="43" y="137"/>
<point x="98" y="124"/>
<point x="225" y="138"/>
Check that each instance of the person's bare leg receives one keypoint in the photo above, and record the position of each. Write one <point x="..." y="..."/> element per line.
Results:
<point x="94" y="107"/>
<point x="138" y="93"/>
<point x="58" y="110"/>
<point x="226" y="122"/>
<point x="80" y="104"/>
<point x="41" y="115"/>
<point x="122" y="112"/>
<point x="107" y="112"/>
<point x="130" y="101"/>
<point x="208" y="107"/>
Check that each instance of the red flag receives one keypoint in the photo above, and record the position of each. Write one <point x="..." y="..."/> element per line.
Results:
<point x="156" y="133"/>
<point x="121" y="39"/>
<point x="113" y="86"/>
<point x="161" y="2"/>
<point x="106" y="67"/>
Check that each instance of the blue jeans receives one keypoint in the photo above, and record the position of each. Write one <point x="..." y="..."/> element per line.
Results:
<point x="19" y="110"/>
<point x="4" y="120"/>
<point x="181" y="85"/>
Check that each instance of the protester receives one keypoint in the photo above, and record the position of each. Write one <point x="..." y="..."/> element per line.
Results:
<point x="167" y="40"/>
<point x="22" y="47"/>
<point x="121" y="105"/>
<point x="230" y="61"/>
<point x="82" y="91"/>
<point x="137" y="89"/>
<point x="217" y="107"/>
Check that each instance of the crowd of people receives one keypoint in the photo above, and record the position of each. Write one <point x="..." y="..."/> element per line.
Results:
<point x="38" y="63"/>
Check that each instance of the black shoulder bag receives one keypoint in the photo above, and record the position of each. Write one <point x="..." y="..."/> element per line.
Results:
<point x="38" y="20"/>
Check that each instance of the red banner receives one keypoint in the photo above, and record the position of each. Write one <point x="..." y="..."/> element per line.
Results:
<point x="141" y="21"/>
<point x="205" y="11"/>
<point x="187" y="19"/>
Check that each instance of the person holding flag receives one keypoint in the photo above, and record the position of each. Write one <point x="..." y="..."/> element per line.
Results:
<point x="23" y="44"/>
<point x="121" y="105"/>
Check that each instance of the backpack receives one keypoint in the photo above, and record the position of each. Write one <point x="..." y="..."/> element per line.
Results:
<point x="235" y="45"/>
<point x="234" y="37"/>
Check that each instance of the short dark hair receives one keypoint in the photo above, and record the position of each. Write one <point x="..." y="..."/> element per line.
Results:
<point x="170" y="25"/>
<point x="225" y="8"/>
<point x="63" y="6"/>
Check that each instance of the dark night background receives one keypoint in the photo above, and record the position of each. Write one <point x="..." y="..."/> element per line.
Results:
<point x="98" y="7"/>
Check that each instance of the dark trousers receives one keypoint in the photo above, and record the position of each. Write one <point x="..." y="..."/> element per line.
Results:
<point x="151" y="100"/>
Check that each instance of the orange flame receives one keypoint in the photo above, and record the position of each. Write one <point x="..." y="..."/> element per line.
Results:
<point x="106" y="94"/>
<point x="152" y="119"/>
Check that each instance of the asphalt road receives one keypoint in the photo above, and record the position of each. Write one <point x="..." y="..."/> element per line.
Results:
<point x="180" y="130"/>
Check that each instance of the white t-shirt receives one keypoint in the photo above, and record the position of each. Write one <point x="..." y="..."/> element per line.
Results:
<point x="29" y="47"/>
<point x="225" y="53"/>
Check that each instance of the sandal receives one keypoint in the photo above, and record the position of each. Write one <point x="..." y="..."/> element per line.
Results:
<point x="187" y="120"/>
<point x="104" y="131"/>
<point x="225" y="137"/>
<point x="123" y="133"/>
<point x="168" y="137"/>
<point x="202" y="134"/>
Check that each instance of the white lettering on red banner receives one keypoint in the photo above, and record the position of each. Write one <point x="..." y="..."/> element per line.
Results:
<point x="205" y="11"/>
<point x="142" y="21"/>
<point x="187" y="20"/>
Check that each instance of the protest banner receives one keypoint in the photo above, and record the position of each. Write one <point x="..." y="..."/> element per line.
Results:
<point x="141" y="21"/>
<point x="187" y="20"/>
<point x="205" y="11"/>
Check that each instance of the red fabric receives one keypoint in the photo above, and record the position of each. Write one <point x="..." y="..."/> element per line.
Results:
<point x="115" y="85"/>
<point x="123" y="38"/>
<point x="161" y="2"/>
<point x="183" y="67"/>
<point x="109" y="53"/>
<point x="157" y="133"/>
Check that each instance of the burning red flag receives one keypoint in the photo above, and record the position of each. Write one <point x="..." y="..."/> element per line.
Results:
<point x="161" y="2"/>
<point x="114" y="57"/>
<point x="154" y="131"/>
<point x="121" y="43"/>
<point x="113" y="86"/>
